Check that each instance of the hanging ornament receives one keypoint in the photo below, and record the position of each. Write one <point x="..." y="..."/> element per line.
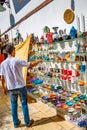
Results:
<point x="69" y="16"/>
<point x="12" y="20"/>
<point x="73" y="5"/>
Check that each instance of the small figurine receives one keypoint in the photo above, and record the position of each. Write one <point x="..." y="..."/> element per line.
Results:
<point x="42" y="39"/>
<point x="80" y="34"/>
<point x="55" y="34"/>
<point x="46" y="30"/>
<point x="36" y="39"/>
<point x="18" y="38"/>
<point x="17" y="34"/>
<point x="73" y="32"/>
<point x="49" y="37"/>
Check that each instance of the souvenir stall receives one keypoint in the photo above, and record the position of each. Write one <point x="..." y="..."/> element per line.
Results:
<point x="61" y="80"/>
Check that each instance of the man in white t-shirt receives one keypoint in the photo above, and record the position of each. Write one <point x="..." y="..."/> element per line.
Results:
<point x="11" y="73"/>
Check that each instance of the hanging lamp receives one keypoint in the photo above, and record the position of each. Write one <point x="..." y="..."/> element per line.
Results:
<point x="2" y="2"/>
<point x="1" y="5"/>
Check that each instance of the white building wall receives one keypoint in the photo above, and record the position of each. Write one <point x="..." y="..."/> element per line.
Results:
<point x="51" y="15"/>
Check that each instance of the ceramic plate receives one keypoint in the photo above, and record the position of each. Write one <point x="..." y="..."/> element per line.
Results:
<point x="69" y="16"/>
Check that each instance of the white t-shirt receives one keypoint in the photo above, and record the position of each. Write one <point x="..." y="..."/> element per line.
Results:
<point x="11" y="68"/>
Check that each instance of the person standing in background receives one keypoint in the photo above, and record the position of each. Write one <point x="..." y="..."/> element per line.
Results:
<point x="3" y="56"/>
<point x="3" y="51"/>
<point x="11" y="73"/>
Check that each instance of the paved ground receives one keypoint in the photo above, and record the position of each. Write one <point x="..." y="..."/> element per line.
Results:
<point x="45" y="117"/>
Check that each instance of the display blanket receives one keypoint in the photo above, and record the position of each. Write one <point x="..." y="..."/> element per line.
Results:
<point x="22" y="51"/>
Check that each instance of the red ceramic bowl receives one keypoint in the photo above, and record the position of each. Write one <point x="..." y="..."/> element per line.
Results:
<point x="77" y="106"/>
<point x="64" y="106"/>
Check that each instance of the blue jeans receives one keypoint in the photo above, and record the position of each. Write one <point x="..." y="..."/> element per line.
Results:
<point x="22" y="93"/>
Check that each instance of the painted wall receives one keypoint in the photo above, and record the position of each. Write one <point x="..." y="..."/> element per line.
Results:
<point x="51" y="15"/>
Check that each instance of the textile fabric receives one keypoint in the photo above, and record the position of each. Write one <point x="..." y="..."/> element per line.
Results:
<point x="22" y="51"/>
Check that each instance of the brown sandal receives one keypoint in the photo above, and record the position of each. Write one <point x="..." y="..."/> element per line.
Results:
<point x="31" y="122"/>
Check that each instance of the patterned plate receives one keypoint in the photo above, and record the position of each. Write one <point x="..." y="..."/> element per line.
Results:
<point x="69" y="16"/>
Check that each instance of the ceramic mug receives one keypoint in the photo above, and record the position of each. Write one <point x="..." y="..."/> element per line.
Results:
<point x="64" y="77"/>
<point x="77" y="74"/>
<point x="82" y="68"/>
<point x="64" y="72"/>
<point x="69" y="78"/>
<point x="69" y="72"/>
<point x="77" y="66"/>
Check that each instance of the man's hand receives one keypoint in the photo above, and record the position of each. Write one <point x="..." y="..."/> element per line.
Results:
<point x="5" y="90"/>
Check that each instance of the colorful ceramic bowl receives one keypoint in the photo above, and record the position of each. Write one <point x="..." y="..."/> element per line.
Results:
<point x="58" y="104"/>
<point x="64" y="107"/>
<point x="73" y="95"/>
<point x="31" y="89"/>
<point x="64" y="93"/>
<point x="82" y="124"/>
<point x="76" y="99"/>
<point x="85" y="102"/>
<point x="69" y="103"/>
<point x="68" y="94"/>
<point x="52" y="86"/>
<point x="37" y="81"/>
<point x="81" y="101"/>
<point x="59" y="87"/>
<point x="62" y="100"/>
<point x="60" y="91"/>
<point x="85" y="99"/>
<point x="81" y="97"/>
<point x="45" y="97"/>
<point x="77" y="106"/>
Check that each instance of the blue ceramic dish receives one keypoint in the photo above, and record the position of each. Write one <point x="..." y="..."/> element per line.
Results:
<point x="45" y="97"/>
<point x="38" y="81"/>
<point x="69" y="103"/>
<point x="31" y="89"/>
<point x="81" y="97"/>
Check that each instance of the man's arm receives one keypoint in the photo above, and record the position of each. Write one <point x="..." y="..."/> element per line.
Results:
<point x="34" y="63"/>
<point x="3" y="85"/>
